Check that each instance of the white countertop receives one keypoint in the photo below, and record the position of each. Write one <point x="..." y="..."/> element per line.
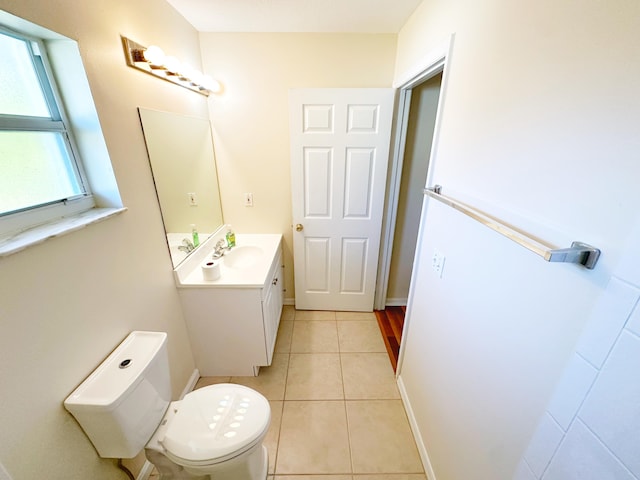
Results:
<point x="189" y="273"/>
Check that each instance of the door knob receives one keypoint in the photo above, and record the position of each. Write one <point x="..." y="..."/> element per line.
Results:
<point x="299" y="227"/>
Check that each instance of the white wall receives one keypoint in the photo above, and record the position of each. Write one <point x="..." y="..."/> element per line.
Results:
<point x="539" y="127"/>
<point x="65" y="304"/>
<point x="251" y="117"/>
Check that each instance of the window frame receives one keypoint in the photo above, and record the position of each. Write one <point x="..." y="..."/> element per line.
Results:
<point x="35" y="215"/>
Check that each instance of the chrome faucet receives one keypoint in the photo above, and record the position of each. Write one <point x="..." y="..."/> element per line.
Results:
<point x="221" y="246"/>
<point x="187" y="246"/>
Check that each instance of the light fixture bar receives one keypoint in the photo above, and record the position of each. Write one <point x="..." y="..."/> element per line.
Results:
<point x="153" y="61"/>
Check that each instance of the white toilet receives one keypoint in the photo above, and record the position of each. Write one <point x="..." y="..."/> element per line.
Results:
<point x="215" y="432"/>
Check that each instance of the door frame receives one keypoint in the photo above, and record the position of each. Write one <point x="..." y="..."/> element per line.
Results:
<point x="430" y="66"/>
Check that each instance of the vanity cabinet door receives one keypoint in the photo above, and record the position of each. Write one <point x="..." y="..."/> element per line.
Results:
<point x="272" y="308"/>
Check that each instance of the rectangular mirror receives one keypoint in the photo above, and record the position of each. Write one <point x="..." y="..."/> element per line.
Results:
<point x="183" y="166"/>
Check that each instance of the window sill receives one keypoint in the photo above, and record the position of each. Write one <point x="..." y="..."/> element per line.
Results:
<point x="16" y="242"/>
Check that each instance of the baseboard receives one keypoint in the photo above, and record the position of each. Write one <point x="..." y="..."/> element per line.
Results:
<point x="289" y="301"/>
<point x="193" y="379"/>
<point x="145" y="471"/>
<point x="422" y="449"/>
<point x="396" y="302"/>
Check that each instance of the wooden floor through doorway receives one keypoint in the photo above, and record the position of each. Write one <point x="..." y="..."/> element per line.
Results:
<point x="391" y="321"/>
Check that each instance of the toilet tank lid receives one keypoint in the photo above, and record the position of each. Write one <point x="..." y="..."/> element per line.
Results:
<point x="120" y="371"/>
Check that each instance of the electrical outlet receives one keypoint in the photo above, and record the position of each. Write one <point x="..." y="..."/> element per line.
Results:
<point x="193" y="200"/>
<point x="437" y="262"/>
<point x="248" y="199"/>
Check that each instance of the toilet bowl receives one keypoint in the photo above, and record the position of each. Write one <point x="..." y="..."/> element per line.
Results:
<point x="215" y="432"/>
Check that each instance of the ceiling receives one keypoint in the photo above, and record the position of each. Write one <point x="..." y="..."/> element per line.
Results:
<point x="345" y="16"/>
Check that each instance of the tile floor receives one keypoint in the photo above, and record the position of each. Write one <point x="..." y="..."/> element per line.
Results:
<point x="336" y="410"/>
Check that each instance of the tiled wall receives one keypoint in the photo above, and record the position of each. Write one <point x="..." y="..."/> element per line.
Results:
<point x="591" y="429"/>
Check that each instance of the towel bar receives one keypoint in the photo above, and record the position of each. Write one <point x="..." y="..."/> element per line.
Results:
<point x="579" y="252"/>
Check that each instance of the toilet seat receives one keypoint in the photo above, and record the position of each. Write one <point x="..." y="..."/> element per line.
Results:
<point x="210" y="462"/>
<point x="215" y="424"/>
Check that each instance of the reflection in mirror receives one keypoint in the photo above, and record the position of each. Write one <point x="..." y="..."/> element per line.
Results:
<point x="183" y="165"/>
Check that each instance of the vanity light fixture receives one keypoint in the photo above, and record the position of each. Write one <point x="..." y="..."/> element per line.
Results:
<point x="152" y="60"/>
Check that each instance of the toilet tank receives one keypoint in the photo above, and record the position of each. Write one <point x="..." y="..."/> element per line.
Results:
<point x="122" y="402"/>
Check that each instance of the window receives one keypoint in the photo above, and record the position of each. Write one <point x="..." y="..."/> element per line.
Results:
<point x="41" y="177"/>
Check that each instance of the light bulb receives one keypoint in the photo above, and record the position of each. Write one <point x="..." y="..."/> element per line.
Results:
<point x="210" y="84"/>
<point x="154" y="55"/>
<point x="173" y="65"/>
<point x="196" y="77"/>
<point x="188" y="72"/>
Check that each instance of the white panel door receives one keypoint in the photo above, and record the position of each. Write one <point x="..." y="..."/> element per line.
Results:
<point x="339" y="155"/>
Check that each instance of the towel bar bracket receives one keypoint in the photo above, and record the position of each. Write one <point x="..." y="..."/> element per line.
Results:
<point x="579" y="252"/>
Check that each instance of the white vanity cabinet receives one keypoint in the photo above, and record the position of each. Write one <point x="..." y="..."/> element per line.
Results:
<point x="233" y="326"/>
<point x="272" y="306"/>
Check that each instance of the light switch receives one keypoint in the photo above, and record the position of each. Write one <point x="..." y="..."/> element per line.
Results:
<point x="437" y="262"/>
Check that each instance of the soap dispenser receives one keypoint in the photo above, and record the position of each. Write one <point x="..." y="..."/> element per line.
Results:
<point x="231" y="237"/>
<point x="194" y="235"/>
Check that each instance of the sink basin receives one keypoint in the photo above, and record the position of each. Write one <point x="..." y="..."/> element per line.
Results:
<point x="244" y="256"/>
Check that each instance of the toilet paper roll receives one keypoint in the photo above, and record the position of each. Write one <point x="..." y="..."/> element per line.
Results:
<point x="211" y="270"/>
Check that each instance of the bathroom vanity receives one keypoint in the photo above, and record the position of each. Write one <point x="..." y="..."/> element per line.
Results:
<point x="233" y="320"/>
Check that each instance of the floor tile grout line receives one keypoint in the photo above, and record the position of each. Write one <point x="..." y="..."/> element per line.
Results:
<point x="275" y="456"/>
<point x="344" y="396"/>
<point x="346" y="417"/>
<point x="284" y="396"/>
